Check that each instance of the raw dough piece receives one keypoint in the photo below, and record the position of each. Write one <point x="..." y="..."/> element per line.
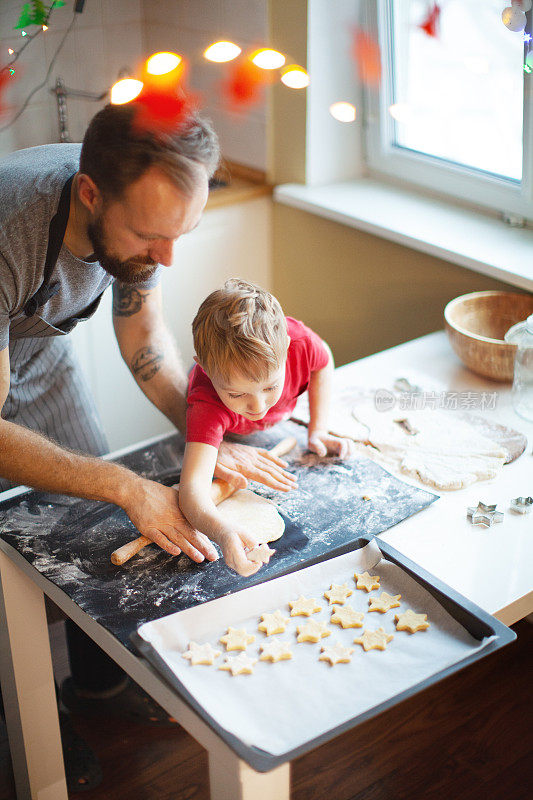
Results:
<point x="366" y="581"/>
<point x="338" y="593"/>
<point x="239" y="665"/>
<point x="257" y="514"/>
<point x="260" y="554"/>
<point x="409" y="621"/>
<point x="312" y="631"/>
<point x="384" y="602"/>
<point x="201" y="653"/>
<point x="276" y="650"/>
<point x="273" y="623"/>
<point x="374" y="640"/>
<point x="304" y="607"/>
<point x="348" y="617"/>
<point x="446" y="452"/>
<point x="336" y="654"/>
<point x="237" y="639"/>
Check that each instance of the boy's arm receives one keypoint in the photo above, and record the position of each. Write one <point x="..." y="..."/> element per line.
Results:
<point x="196" y="504"/>
<point x="319" y="440"/>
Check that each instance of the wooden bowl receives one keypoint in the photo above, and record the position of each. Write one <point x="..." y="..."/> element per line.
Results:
<point x="476" y="324"/>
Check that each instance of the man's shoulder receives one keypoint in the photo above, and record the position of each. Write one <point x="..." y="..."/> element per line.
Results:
<point x="34" y="177"/>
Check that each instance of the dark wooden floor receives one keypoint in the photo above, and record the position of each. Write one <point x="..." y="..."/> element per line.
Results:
<point x="469" y="738"/>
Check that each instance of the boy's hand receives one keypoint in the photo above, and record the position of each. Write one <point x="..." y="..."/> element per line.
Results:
<point x="236" y="462"/>
<point x="323" y="443"/>
<point x="234" y="548"/>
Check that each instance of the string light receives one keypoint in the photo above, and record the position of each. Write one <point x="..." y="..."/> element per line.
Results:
<point x="125" y="90"/>
<point x="10" y="51"/>
<point x="221" y="52"/>
<point x="23" y="33"/>
<point x="268" y="59"/>
<point x="343" y="112"/>
<point x="162" y="63"/>
<point x="295" y="77"/>
<point x="45" y="27"/>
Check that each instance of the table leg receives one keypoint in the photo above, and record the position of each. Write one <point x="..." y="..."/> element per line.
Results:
<point x="28" y="688"/>
<point x="232" y="779"/>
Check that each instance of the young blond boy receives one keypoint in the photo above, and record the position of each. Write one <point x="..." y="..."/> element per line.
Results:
<point x="252" y="363"/>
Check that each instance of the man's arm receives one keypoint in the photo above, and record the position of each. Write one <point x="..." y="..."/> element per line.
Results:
<point x="27" y="457"/>
<point x="148" y="349"/>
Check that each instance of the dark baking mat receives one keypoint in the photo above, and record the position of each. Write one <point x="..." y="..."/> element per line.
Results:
<point x="70" y="541"/>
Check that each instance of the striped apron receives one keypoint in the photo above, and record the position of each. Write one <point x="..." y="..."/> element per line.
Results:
<point x="48" y="392"/>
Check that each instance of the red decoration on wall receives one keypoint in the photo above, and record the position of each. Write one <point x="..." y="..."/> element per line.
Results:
<point x="5" y="79"/>
<point x="163" y="111"/>
<point x="431" y="23"/>
<point x="244" y="85"/>
<point x="366" y="54"/>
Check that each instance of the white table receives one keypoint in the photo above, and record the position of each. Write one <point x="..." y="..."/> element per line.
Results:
<point x="491" y="566"/>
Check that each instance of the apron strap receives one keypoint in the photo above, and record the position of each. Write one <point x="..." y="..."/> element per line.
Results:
<point x="56" y="234"/>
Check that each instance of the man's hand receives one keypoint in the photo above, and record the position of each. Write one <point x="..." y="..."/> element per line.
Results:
<point x="323" y="443"/>
<point x="237" y="462"/>
<point x="155" y="512"/>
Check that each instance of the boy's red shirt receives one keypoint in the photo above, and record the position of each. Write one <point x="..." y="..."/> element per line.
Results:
<point x="208" y="419"/>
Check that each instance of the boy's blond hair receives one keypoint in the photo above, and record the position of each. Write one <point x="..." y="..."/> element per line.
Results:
<point x="240" y="328"/>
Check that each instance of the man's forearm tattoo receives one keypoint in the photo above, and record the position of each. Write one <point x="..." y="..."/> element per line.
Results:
<point x="146" y="362"/>
<point x="127" y="301"/>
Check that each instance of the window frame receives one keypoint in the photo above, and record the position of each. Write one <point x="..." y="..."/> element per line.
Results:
<point x="386" y="161"/>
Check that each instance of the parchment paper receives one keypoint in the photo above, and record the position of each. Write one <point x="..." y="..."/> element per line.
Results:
<point x="285" y="704"/>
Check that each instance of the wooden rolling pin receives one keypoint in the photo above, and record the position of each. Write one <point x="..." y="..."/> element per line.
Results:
<point x="220" y="490"/>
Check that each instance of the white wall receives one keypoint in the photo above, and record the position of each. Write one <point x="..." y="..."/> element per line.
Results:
<point x="112" y="34"/>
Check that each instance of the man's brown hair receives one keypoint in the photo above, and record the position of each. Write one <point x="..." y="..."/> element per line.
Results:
<point x="240" y="328"/>
<point x="115" y="152"/>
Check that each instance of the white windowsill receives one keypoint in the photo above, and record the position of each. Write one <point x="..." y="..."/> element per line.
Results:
<point x="470" y="239"/>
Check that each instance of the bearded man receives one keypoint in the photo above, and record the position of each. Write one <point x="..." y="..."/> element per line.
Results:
<point x="73" y="221"/>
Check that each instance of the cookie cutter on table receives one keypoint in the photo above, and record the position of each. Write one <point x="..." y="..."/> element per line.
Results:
<point x="522" y="505"/>
<point x="484" y="514"/>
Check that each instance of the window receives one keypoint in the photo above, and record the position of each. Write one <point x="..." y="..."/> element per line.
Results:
<point x="453" y="112"/>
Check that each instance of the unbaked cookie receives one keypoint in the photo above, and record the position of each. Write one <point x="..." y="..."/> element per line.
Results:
<point x="304" y="607"/>
<point x="366" y="581"/>
<point x="276" y="650"/>
<point x="338" y="593"/>
<point x="239" y="665"/>
<point x="312" y="631"/>
<point x="409" y="621"/>
<point x="237" y="639"/>
<point x="201" y="653"/>
<point x="384" y="602"/>
<point x="374" y="640"/>
<point x="260" y="554"/>
<point x="348" y="617"/>
<point x="336" y="654"/>
<point x="273" y="623"/>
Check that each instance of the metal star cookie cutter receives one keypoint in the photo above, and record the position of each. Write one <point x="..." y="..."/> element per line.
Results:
<point x="522" y="505"/>
<point x="484" y="514"/>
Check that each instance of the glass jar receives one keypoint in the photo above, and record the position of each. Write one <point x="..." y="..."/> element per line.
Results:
<point x="522" y="392"/>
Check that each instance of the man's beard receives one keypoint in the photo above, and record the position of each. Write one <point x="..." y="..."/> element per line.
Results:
<point x="133" y="270"/>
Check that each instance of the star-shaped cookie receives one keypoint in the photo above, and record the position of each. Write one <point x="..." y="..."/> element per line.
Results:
<point x="366" y="581"/>
<point x="239" y="665"/>
<point x="273" y="623"/>
<point x="374" y="640"/>
<point x="201" y="653"/>
<point x="304" y="606"/>
<point x="312" y="631"/>
<point x="260" y="554"/>
<point x="276" y="650"/>
<point x="384" y="602"/>
<point x="338" y="593"/>
<point x="409" y="621"/>
<point x="237" y="639"/>
<point x="336" y="654"/>
<point x="348" y="617"/>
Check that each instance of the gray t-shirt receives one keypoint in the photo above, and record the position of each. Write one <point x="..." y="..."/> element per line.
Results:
<point x="31" y="181"/>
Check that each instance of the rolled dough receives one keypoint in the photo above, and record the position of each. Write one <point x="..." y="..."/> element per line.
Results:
<point x="257" y="514"/>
